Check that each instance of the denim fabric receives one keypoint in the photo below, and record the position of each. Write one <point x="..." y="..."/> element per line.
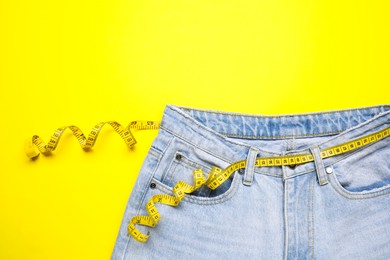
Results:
<point x="333" y="208"/>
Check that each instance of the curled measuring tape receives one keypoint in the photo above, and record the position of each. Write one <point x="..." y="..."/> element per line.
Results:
<point x="217" y="176"/>
<point x="179" y="191"/>
<point x="34" y="146"/>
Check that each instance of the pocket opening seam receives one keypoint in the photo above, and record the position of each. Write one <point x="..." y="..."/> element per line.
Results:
<point x="385" y="190"/>
<point x="348" y="154"/>
<point x="204" y="201"/>
<point x="198" y="147"/>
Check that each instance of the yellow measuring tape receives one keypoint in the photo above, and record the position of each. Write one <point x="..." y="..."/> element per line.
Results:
<point x="34" y="146"/>
<point x="217" y="176"/>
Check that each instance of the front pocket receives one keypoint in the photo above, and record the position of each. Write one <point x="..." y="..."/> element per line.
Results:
<point x="181" y="169"/>
<point x="182" y="163"/>
<point x="215" y="197"/>
<point x="365" y="173"/>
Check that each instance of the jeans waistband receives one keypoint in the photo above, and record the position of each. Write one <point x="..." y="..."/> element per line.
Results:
<point x="210" y="129"/>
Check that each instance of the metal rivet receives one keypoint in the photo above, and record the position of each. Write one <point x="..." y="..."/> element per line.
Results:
<point x="328" y="170"/>
<point x="153" y="185"/>
<point x="241" y="171"/>
<point x="292" y="166"/>
<point x="178" y="157"/>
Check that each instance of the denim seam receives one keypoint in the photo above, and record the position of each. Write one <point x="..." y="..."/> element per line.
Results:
<point x="381" y="107"/>
<point x="308" y="218"/>
<point x="140" y="203"/>
<point x="269" y="174"/>
<point x="188" y="164"/>
<point x="217" y="156"/>
<point x="348" y="154"/>
<point x="191" y="163"/>
<point x="200" y="148"/>
<point x="362" y="125"/>
<point x="289" y="176"/>
<point x="170" y="172"/>
<point x="170" y="165"/>
<point x="213" y="132"/>
<point x="324" y="134"/>
<point x="319" y="166"/>
<point x="205" y="201"/>
<point x="166" y="145"/>
<point x="339" y="134"/>
<point x="209" y="130"/>
<point x="250" y="166"/>
<point x="169" y="143"/>
<point x="286" y="220"/>
<point x="326" y="164"/>
<point x="154" y="152"/>
<point x="357" y="196"/>
<point x="148" y="183"/>
<point x="312" y="181"/>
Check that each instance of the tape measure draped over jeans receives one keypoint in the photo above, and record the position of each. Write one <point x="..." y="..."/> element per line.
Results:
<point x="215" y="146"/>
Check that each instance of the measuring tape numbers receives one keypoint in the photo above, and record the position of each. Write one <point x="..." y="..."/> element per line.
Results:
<point x="34" y="146"/>
<point x="217" y="176"/>
<point x="179" y="190"/>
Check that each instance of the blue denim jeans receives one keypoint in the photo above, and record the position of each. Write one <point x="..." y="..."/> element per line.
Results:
<point x="333" y="208"/>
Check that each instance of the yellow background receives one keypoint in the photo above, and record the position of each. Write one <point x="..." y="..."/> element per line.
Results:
<point x="82" y="62"/>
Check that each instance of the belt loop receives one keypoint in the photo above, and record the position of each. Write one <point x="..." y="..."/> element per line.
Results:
<point x="320" y="169"/>
<point x="250" y="166"/>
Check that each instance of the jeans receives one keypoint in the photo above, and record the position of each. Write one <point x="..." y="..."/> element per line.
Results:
<point x="332" y="208"/>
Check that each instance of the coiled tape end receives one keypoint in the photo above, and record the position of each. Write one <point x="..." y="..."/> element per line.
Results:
<point x="30" y="150"/>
